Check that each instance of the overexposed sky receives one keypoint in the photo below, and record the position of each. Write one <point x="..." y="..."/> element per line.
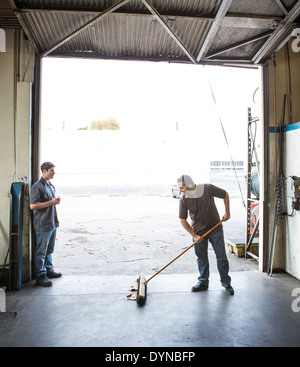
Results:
<point x="142" y="95"/>
<point x="169" y="104"/>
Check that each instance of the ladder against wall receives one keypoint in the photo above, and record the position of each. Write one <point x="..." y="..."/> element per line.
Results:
<point x="252" y="189"/>
<point x="251" y="246"/>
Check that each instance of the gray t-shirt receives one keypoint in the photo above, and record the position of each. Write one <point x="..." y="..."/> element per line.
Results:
<point x="200" y="206"/>
<point x="44" y="220"/>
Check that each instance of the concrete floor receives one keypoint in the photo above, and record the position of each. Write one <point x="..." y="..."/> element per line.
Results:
<point x="92" y="311"/>
<point x="104" y="243"/>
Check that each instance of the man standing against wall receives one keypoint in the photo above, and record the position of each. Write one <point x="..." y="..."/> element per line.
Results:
<point x="43" y="204"/>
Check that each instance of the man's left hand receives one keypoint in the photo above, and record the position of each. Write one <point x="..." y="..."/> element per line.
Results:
<point x="226" y="216"/>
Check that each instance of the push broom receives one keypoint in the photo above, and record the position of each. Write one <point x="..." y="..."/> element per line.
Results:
<point x="142" y="288"/>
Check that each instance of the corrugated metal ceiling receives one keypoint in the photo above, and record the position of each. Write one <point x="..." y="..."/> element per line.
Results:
<point x="191" y="31"/>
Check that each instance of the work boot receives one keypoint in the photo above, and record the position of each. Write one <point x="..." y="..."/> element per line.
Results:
<point x="199" y="287"/>
<point x="43" y="281"/>
<point x="52" y="274"/>
<point x="229" y="290"/>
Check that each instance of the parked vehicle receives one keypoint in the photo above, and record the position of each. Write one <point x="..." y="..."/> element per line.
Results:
<point x="175" y="192"/>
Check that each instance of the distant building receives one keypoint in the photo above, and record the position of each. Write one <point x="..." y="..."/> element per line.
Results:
<point x="225" y="166"/>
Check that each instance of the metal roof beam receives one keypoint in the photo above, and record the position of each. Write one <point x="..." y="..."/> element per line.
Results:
<point x="239" y="44"/>
<point x="230" y="19"/>
<point x="168" y="30"/>
<point x="232" y="62"/>
<point x="281" y="6"/>
<point x="286" y="39"/>
<point x="249" y="21"/>
<point x="214" y="28"/>
<point x="25" y="27"/>
<point x="85" y="26"/>
<point x="35" y="9"/>
<point x="285" y="26"/>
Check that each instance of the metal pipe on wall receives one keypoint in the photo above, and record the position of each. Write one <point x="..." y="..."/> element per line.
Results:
<point x="265" y="172"/>
<point x="35" y="121"/>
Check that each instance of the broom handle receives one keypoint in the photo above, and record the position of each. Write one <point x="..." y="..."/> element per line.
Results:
<point x="183" y="252"/>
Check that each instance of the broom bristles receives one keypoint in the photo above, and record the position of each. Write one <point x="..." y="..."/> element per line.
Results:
<point x="142" y="290"/>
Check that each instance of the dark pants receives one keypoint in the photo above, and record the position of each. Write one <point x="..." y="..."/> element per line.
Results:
<point x="45" y="242"/>
<point x="218" y="244"/>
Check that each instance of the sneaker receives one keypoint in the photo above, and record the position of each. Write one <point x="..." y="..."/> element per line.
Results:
<point x="52" y="274"/>
<point x="229" y="289"/>
<point x="43" y="281"/>
<point x="199" y="287"/>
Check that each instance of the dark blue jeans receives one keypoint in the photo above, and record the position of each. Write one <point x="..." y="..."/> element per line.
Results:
<point x="218" y="244"/>
<point x="43" y="252"/>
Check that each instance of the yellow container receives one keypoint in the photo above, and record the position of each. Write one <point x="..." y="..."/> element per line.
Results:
<point x="239" y="248"/>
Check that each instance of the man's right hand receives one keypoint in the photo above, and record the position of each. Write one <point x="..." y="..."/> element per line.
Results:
<point x="55" y="201"/>
<point x="197" y="239"/>
<point x="189" y="229"/>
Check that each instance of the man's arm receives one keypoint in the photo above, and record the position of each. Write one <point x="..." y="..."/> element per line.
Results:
<point x="46" y="204"/>
<point x="226" y="216"/>
<point x="189" y="229"/>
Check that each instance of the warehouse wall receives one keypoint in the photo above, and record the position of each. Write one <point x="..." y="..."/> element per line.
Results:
<point x="16" y="76"/>
<point x="284" y="78"/>
<point x="292" y="230"/>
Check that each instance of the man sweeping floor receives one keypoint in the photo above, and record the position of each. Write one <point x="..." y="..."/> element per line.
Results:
<point x="197" y="201"/>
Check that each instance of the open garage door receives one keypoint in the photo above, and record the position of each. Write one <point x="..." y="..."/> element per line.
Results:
<point x="116" y="182"/>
